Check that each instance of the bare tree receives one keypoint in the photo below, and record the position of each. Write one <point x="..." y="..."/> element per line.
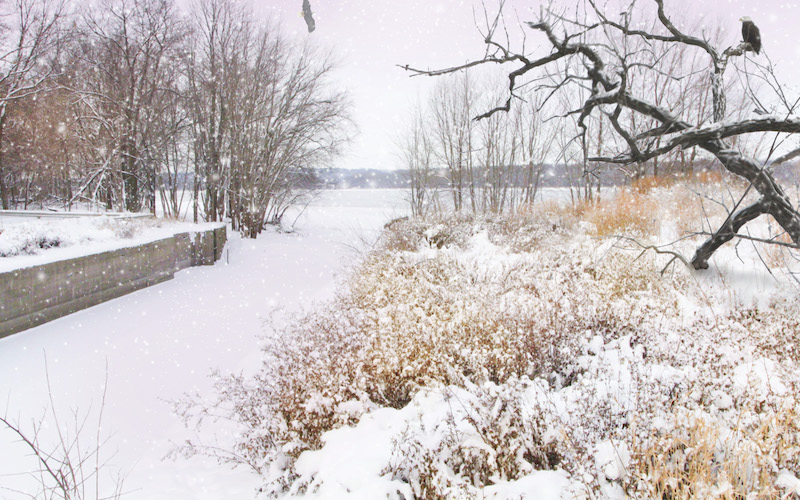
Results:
<point x="497" y="152"/>
<point x="31" y="32"/>
<point x="536" y="143"/>
<point x="452" y="106"/>
<point x="34" y="136"/>
<point x="416" y="155"/>
<point x="493" y="165"/>
<point x="265" y="113"/>
<point x="607" y="73"/>
<point x="127" y="96"/>
<point x="217" y="30"/>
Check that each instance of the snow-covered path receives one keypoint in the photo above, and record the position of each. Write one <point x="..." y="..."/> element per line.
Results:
<point x="161" y="342"/>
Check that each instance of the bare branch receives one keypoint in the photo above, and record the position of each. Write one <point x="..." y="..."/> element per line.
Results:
<point x="658" y="250"/>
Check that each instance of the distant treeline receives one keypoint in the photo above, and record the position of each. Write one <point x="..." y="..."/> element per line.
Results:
<point x="553" y="176"/>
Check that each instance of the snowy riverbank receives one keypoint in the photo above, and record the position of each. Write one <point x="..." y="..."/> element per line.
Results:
<point x="161" y="342"/>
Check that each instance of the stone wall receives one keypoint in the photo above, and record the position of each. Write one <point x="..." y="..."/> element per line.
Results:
<point x="36" y="295"/>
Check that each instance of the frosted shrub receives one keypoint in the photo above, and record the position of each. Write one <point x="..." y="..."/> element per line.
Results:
<point x="311" y="381"/>
<point x="406" y="234"/>
<point x="545" y="346"/>
<point x="452" y="316"/>
<point x="698" y="459"/>
<point x="27" y="239"/>
<point x="491" y="434"/>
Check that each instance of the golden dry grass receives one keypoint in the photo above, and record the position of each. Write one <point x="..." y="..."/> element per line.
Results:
<point x="707" y="177"/>
<point x="628" y="212"/>
<point x="703" y="460"/>
<point x="646" y="184"/>
<point x="778" y="256"/>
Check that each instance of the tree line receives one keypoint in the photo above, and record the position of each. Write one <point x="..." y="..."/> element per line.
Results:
<point x="489" y="138"/>
<point x="134" y="105"/>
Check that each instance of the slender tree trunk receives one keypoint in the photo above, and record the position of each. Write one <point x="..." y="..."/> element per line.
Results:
<point x="4" y="189"/>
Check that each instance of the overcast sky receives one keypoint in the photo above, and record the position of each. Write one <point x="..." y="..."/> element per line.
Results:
<point x="370" y="37"/>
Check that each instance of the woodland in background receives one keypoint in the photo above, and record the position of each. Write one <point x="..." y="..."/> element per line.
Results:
<point x="455" y="157"/>
<point x="130" y="103"/>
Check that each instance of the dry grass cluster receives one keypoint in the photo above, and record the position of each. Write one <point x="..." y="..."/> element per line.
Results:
<point x="628" y="212"/>
<point x="649" y="206"/>
<point x="508" y="312"/>
<point x="640" y="211"/>
<point x="698" y="459"/>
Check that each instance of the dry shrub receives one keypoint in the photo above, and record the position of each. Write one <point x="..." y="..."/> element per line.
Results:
<point x="707" y="177"/>
<point x="779" y="256"/>
<point x="471" y="303"/>
<point x="422" y="333"/>
<point x="777" y="435"/>
<point x="524" y="230"/>
<point x="491" y="434"/>
<point x="408" y="235"/>
<point x="556" y="213"/>
<point x="411" y="320"/>
<point x="774" y="329"/>
<point x="644" y="185"/>
<point x="401" y="235"/>
<point x="628" y="212"/>
<point x="311" y="381"/>
<point x="631" y="211"/>
<point x="706" y="460"/>
<point x="620" y="276"/>
<point x="684" y="208"/>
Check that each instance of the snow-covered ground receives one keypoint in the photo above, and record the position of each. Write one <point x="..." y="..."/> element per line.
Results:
<point x="536" y="355"/>
<point x="32" y="242"/>
<point x="161" y="342"/>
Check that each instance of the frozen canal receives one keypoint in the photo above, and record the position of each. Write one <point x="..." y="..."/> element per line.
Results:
<point x="162" y="342"/>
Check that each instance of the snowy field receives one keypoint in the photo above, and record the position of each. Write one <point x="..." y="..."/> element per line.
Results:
<point x="159" y="343"/>
<point x="638" y="363"/>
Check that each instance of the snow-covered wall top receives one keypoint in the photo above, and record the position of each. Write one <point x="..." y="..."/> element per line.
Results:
<point x="33" y="295"/>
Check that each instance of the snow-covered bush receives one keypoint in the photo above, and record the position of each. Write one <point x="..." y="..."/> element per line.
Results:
<point x="490" y="434"/>
<point x="27" y="239"/>
<point x="523" y="344"/>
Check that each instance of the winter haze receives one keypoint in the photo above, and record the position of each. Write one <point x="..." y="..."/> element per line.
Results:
<point x="371" y="38"/>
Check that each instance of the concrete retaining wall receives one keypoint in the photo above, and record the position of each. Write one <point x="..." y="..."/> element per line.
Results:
<point x="36" y="295"/>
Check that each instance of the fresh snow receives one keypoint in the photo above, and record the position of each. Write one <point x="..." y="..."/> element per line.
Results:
<point x="161" y="342"/>
<point x="76" y="237"/>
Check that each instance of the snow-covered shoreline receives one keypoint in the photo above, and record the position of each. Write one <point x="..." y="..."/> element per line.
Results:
<point x="161" y="343"/>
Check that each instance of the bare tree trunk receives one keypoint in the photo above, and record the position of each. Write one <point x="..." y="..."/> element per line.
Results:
<point x="3" y="188"/>
<point x="773" y="201"/>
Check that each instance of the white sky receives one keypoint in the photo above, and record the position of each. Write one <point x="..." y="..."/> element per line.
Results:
<point x="370" y="37"/>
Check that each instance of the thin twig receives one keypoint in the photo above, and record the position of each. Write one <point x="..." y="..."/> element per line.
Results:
<point x="657" y="249"/>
